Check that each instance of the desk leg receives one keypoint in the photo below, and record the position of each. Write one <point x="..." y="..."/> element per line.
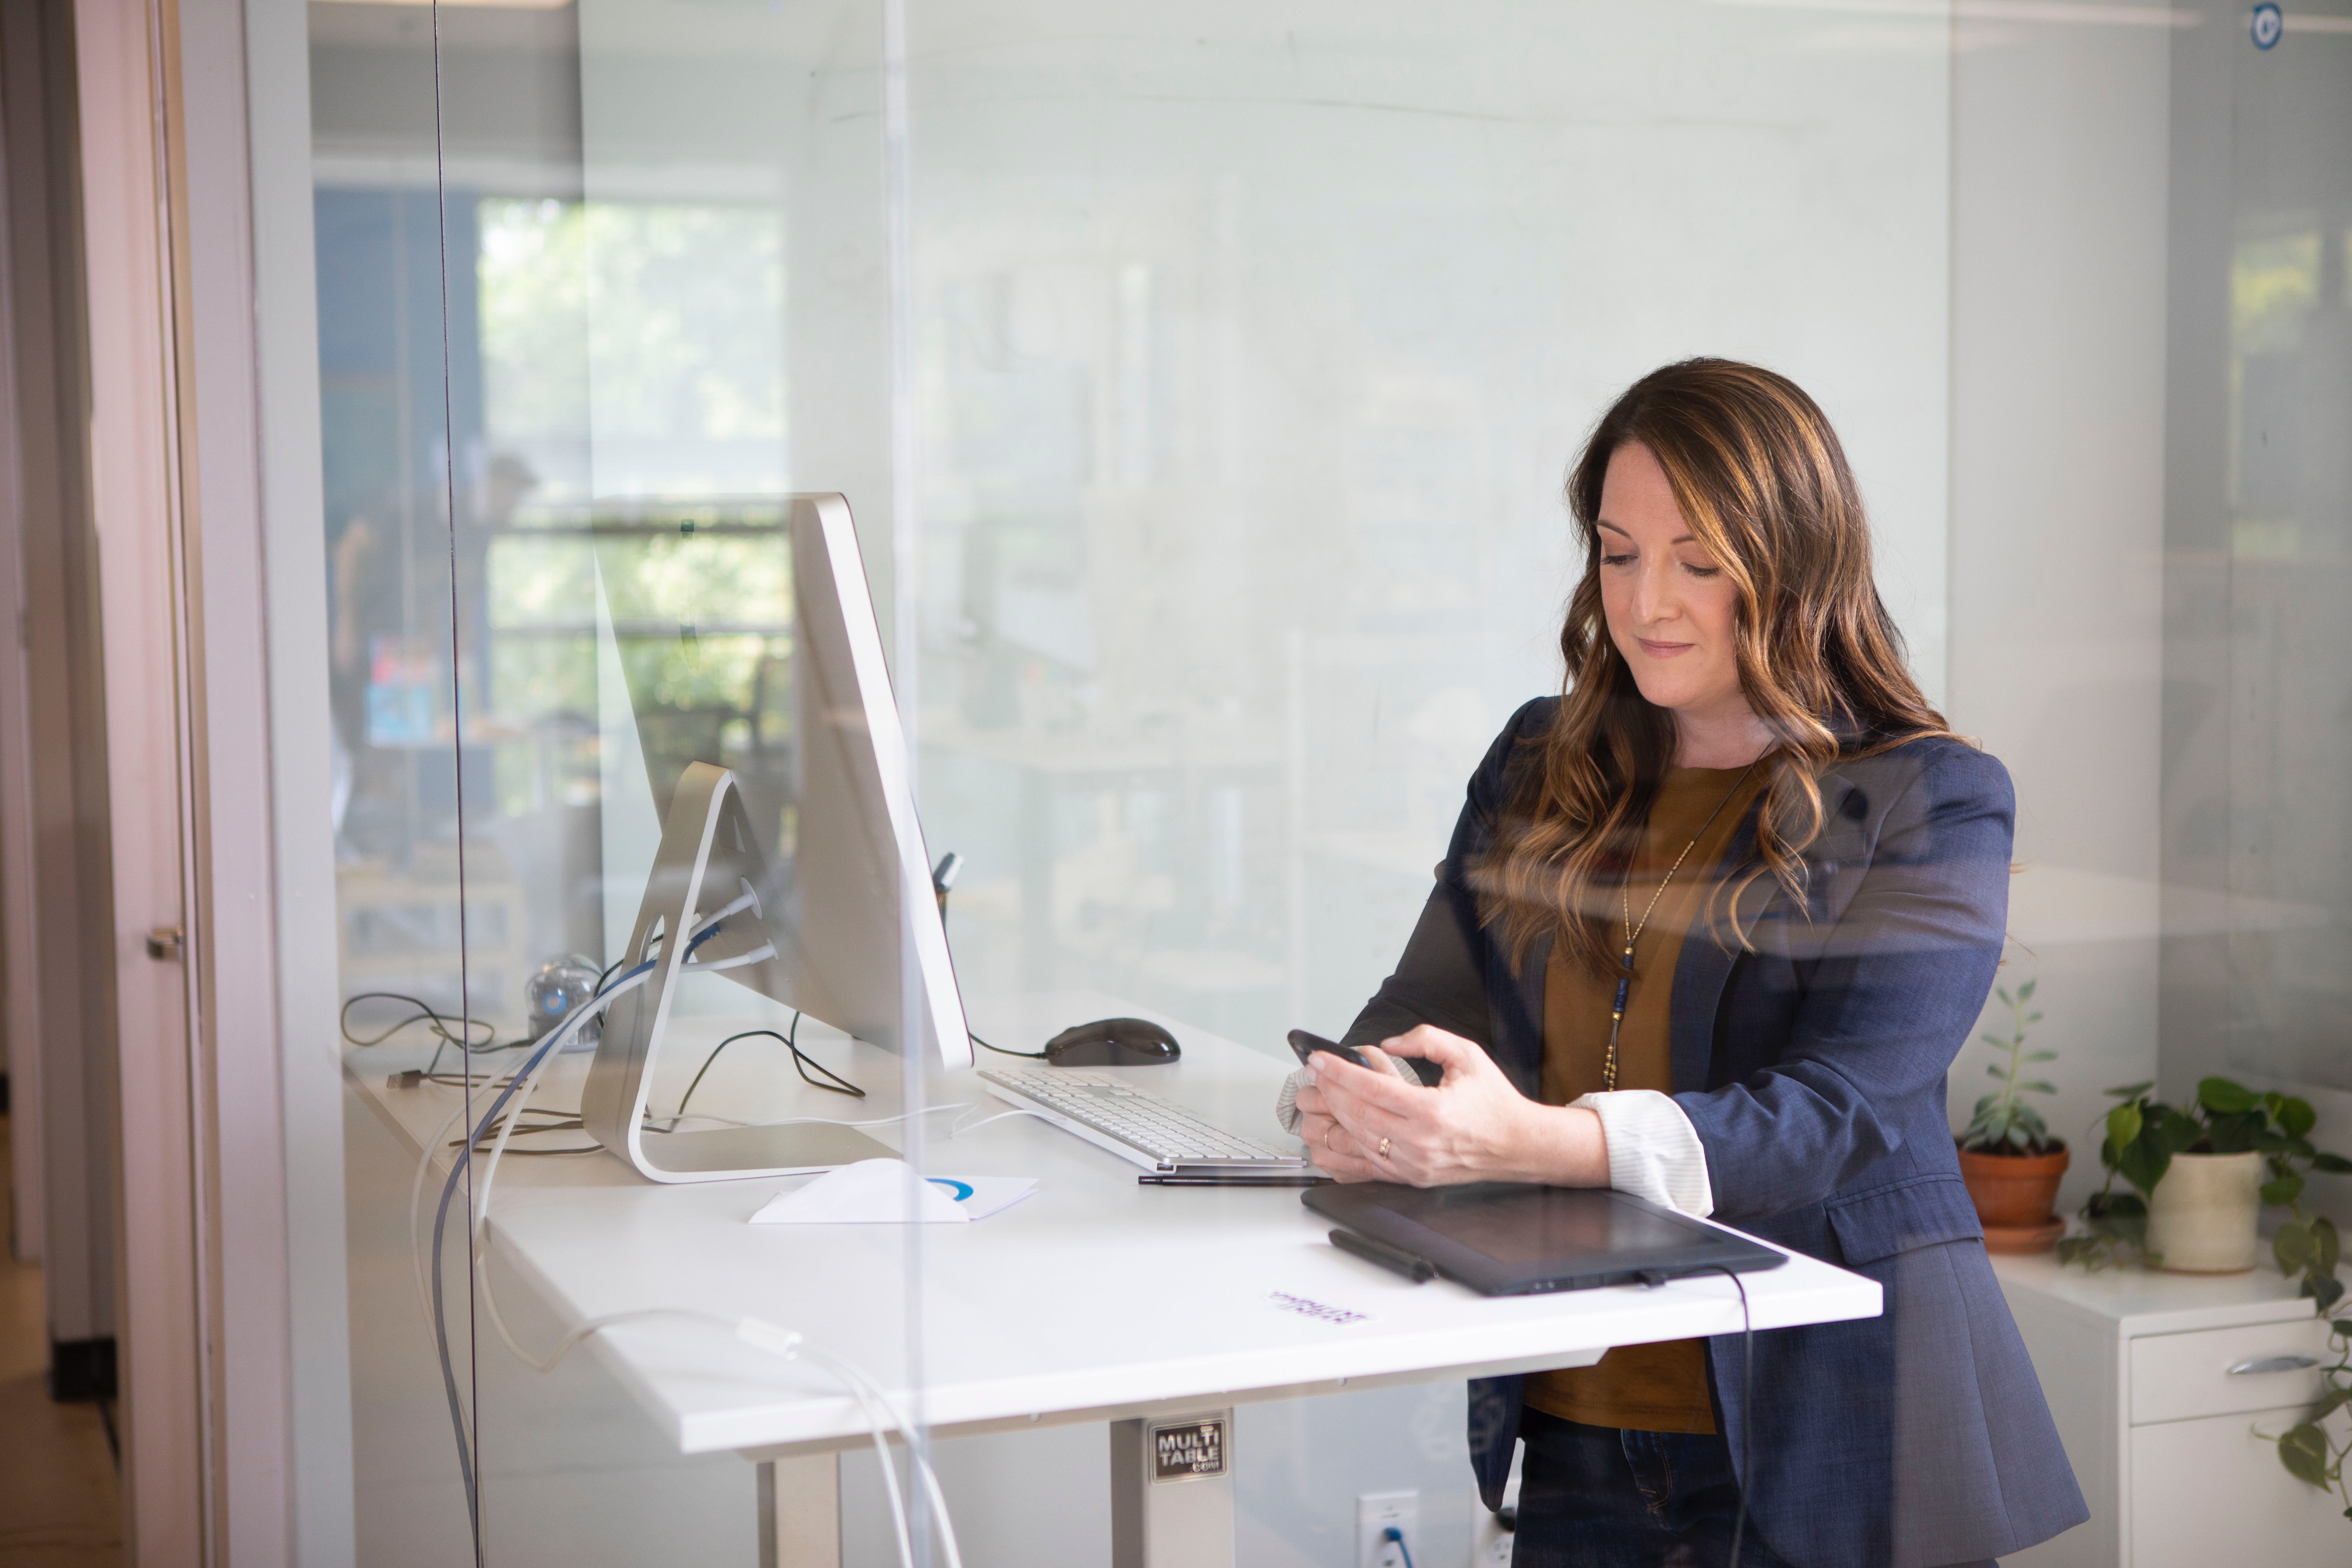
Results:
<point x="800" y="1512"/>
<point x="1172" y="1491"/>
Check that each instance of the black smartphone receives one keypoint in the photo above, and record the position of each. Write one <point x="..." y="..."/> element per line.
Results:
<point x="1306" y="1045"/>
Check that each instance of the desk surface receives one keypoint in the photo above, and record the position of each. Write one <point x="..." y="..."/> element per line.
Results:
<point x="1093" y="1298"/>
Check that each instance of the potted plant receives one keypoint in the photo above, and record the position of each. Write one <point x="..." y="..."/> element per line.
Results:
<point x="2199" y="1181"/>
<point x="2008" y="1159"/>
<point x="2151" y="1145"/>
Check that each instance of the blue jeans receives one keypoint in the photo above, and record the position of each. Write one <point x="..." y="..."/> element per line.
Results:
<point x="1599" y="1498"/>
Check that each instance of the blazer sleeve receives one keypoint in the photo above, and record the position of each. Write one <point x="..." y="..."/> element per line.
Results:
<point x="1887" y="999"/>
<point x="1441" y="978"/>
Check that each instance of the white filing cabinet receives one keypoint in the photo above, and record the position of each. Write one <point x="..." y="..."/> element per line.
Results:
<point x="2137" y="1366"/>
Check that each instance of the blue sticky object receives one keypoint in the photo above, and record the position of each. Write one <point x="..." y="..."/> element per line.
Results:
<point x="961" y="1190"/>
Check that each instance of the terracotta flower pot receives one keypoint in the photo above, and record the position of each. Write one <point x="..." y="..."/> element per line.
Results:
<point x="2016" y="1196"/>
<point x="2200" y="1218"/>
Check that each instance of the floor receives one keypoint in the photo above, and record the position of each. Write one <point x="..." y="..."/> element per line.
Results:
<point x="59" y="1501"/>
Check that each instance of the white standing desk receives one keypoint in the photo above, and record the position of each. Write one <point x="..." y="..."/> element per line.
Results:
<point x="1095" y="1298"/>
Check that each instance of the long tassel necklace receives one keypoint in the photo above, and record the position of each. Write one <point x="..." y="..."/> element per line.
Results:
<point x="1633" y="932"/>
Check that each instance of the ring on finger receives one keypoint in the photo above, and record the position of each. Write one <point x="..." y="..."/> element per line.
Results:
<point x="1333" y="1132"/>
<point x="1384" y="1148"/>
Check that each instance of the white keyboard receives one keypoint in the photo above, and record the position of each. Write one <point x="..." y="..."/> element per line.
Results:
<point x="1134" y="1123"/>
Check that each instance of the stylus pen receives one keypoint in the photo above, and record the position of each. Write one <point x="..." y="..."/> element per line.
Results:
<point x="1187" y="1179"/>
<point x="1416" y="1268"/>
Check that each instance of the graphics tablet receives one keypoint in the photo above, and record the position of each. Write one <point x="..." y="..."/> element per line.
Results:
<point x="1509" y="1238"/>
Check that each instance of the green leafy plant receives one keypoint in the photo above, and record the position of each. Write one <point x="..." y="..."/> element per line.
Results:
<point x="2142" y="1135"/>
<point x="2004" y="1123"/>
<point x="2306" y="1449"/>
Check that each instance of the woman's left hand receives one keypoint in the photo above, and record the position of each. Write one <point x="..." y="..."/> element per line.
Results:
<point x="1362" y="1125"/>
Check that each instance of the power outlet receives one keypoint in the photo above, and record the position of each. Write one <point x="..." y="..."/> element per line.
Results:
<point x="1377" y="1513"/>
<point x="1491" y="1537"/>
<point x="1490" y="1540"/>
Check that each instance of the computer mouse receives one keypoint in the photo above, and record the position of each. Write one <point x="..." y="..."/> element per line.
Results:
<point x="1112" y="1043"/>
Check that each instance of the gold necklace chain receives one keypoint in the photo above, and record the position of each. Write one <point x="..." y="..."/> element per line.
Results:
<point x="1633" y="932"/>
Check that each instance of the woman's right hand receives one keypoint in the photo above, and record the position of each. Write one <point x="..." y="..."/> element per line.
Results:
<point x="1365" y="1124"/>
<point x="1323" y="1135"/>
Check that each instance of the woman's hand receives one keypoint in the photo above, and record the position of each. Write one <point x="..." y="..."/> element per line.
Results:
<point x="1366" y="1125"/>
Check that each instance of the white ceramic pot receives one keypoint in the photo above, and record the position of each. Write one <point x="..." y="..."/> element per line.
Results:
<point x="2202" y="1217"/>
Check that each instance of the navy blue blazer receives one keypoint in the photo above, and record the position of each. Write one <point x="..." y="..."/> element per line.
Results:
<point x="1812" y="1066"/>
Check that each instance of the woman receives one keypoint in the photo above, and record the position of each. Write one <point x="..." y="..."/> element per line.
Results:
<point x="1713" y="925"/>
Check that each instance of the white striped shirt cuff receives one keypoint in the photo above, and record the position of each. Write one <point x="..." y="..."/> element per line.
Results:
<point x="1654" y="1150"/>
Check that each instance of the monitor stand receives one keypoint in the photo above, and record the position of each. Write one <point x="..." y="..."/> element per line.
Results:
<point x="708" y="860"/>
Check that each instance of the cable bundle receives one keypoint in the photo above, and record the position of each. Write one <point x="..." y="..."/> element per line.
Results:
<point x="879" y="1410"/>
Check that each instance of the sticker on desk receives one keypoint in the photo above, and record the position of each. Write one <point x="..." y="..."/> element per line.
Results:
<point x="1189" y="1450"/>
<point x="1321" y="1312"/>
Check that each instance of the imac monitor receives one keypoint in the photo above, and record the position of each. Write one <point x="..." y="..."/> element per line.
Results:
<point x="823" y="929"/>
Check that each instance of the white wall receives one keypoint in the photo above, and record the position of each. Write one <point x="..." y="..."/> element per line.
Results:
<point x="2059" y="180"/>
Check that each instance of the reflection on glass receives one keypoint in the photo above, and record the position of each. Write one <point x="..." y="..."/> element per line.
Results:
<point x="1250" y="359"/>
<point x="2289" y="569"/>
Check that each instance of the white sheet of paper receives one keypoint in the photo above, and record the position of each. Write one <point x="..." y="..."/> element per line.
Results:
<point x="887" y="1192"/>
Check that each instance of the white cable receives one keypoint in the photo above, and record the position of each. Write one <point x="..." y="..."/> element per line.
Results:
<point x="781" y="1344"/>
<point x="877" y="1121"/>
<point x="506" y="1130"/>
<point x="880" y="1411"/>
<point x="570" y="1342"/>
<point x="424" y="1156"/>
<point x="416" y="1218"/>
<point x="851" y="1375"/>
<point x="787" y="1344"/>
<point x="657" y="1124"/>
<point x="748" y="900"/>
<point x="538" y="1065"/>
<point x="957" y="1129"/>
<point x="760" y="954"/>
<point x="915" y="1463"/>
<point x="480" y="1240"/>
<point x="873" y="1427"/>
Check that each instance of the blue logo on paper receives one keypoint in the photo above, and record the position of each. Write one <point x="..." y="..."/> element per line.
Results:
<point x="2267" y="26"/>
<point x="961" y="1190"/>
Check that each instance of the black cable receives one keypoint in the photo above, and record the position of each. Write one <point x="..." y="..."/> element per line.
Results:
<point x="553" y="1120"/>
<point x="424" y="1014"/>
<point x="839" y="1084"/>
<point x="1747" y="1404"/>
<point x="1000" y="1050"/>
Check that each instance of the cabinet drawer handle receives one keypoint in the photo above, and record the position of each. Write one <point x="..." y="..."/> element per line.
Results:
<point x="2275" y="1363"/>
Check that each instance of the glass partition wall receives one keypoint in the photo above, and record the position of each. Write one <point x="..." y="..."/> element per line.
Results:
<point x="1201" y="381"/>
<point x="2261" y="503"/>
<point x="552" y="393"/>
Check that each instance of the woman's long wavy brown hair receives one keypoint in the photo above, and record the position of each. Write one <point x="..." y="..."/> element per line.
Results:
<point x="1764" y="487"/>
